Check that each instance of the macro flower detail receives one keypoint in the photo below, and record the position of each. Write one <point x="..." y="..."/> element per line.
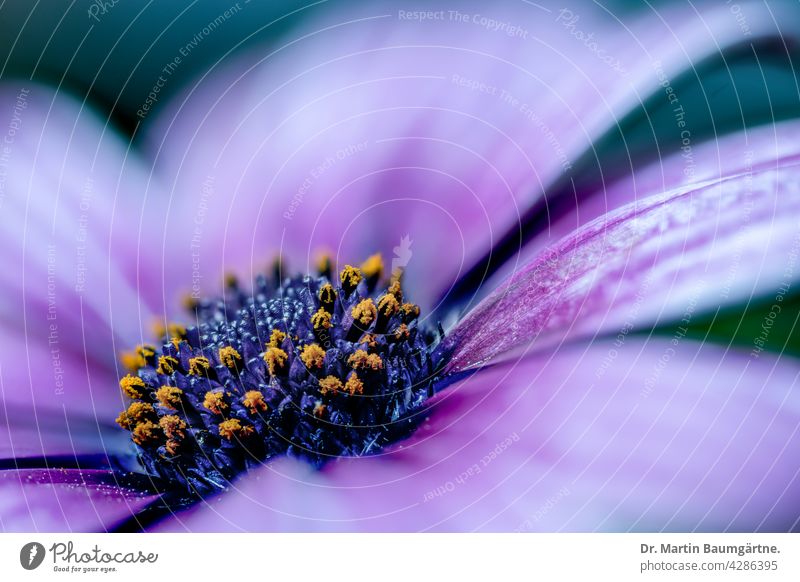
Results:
<point x="237" y="415"/>
<point x="528" y="360"/>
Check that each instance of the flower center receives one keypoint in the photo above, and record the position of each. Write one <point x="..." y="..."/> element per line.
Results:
<point x="309" y="367"/>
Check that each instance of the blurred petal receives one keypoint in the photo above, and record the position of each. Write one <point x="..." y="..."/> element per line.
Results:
<point x="65" y="500"/>
<point x="656" y="261"/>
<point x="745" y="152"/>
<point x="373" y="126"/>
<point x="656" y="435"/>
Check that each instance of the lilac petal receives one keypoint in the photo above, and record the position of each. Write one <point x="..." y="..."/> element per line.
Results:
<point x="644" y="435"/>
<point x="72" y="196"/>
<point x="65" y="500"/>
<point x="655" y="261"/>
<point x="367" y="129"/>
<point x="744" y="152"/>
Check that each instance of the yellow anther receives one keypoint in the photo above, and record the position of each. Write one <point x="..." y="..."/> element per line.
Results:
<point x="172" y="426"/>
<point x="361" y="359"/>
<point x="373" y="267"/>
<point x="167" y="365"/>
<point x="327" y="295"/>
<point x="350" y="277"/>
<point x="276" y="338"/>
<point x="354" y="385"/>
<point x="319" y="410"/>
<point x="199" y="366"/>
<point x="137" y="358"/>
<point x="388" y="305"/>
<point x="173" y="446"/>
<point x="254" y="402"/>
<point x="215" y="402"/>
<point x="401" y="333"/>
<point x="169" y="396"/>
<point x="396" y="289"/>
<point x="137" y="412"/>
<point x="330" y="384"/>
<point x="409" y="311"/>
<point x="189" y="302"/>
<point x="364" y="313"/>
<point x="171" y="329"/>
<point x="324" y="264"/>
<point x="145" y="432"/>
<point x="229" y="357"/>
<point x="132" y="386"/>
<point x="370" y="339"/>
<point x="275" y="359"/>
<point x="231" y="280"/>
<point x="321" y="320"/>
<point x="234" y="428"/>
<point x="313" y="356"/>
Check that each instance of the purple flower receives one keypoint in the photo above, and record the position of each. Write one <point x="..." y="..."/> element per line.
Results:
<point x="443" y="142"/>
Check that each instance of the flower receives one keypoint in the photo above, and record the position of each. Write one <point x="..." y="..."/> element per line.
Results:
<point x="543" y="409"/>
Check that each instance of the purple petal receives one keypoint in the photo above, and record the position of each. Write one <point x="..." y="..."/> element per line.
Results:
<point x="367" y="128"/>
<point x="656" y="435"/>
<point x="65" y="500"/>
<point x="72" y="198"/>
<point x="654" y="261"/>
<point x="744" y="152"/>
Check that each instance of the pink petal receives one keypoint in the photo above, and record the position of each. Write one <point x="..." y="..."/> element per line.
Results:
<point x="640" y="435"/>
<point x="654" y="261"/>
<point x="65" y="500"/>
<point x="744" y="152"/>
<point x="257" y="144"/>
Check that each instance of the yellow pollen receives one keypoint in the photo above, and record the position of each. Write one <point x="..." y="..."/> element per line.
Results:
<point x="132" y="386"/>
<point x="361" y="359"/>
<point x="321" y="320"/>
<point x="136" y="413"/>
<point x="231" y="280"/>
<point x="173" y="446"/>
<point x="365" y="312"/>
<point x="189" y="302"/>
<point x="175" y="341"/>
<point x="275" y="359"/>
<point x="276" y="338"/>
<point x="396" y="289"/>
<point x="215" y="402"/>
<point x="329" y="384"/>
<point x="350" y="276"/>
<point x="167" y="365"/>
<point x="199" y="366"/>
<point x="169" y="396"/>
<point x="319" y="410"/>
<point x="313" y="356"/>
<point x="145" y="432"/>
<point x="388" y="305"/>
<point x="326" y="294"/>
<point x="354" y="385"/>
<point x="234" y="428"/>
<point x="401" y="333"/>
<point x="137" y="358"/>
<point x="410" y="310"/>
<point x="229" y="357"/>
<point x="324" y="263"/>
<point x="172" y="426"/>
<point x="373" y="266"/>
<point x="171" y="329"/>
<point x="254" y="402"/>
<point x="370" y="339"/>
